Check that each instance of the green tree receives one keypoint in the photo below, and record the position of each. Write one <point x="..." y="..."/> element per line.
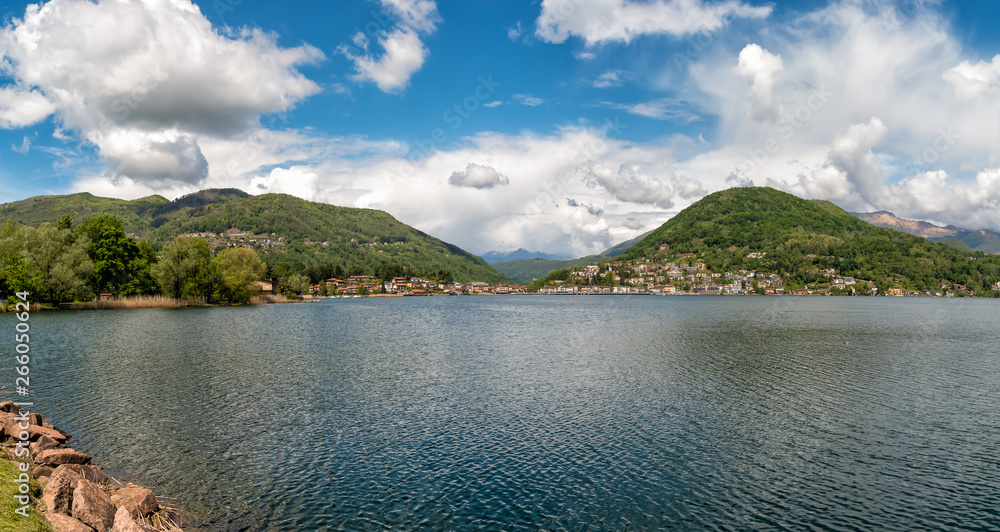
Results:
<point x="239" y="268"/>
<point x="56" y="261"/>
<point x="14" y="274"/>
<point x="298" y="284"/>
<point x="65" y="222"/>
<point x="176" y="266"/>
<point x="113" y="253"/>
<point x="141" y="280"/>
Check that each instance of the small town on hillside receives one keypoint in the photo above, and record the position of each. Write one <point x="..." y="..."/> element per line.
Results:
<point x="682" y="275"/>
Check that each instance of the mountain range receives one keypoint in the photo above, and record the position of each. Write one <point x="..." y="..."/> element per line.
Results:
<point x="520" y="253"/>
<point x="981" y="240"/>
<point x="310" y="234"/>
<point x="527" y="270"/>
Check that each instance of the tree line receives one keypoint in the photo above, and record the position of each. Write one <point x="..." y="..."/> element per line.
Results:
<point x="60" y="263"/>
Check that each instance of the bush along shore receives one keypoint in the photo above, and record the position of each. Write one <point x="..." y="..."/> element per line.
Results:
<point x="63" y="488"/>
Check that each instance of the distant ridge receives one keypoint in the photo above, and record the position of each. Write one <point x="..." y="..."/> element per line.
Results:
<point x="519" y="253"/>
<point x="981" y="240"/>
<point x="528" y="269"/>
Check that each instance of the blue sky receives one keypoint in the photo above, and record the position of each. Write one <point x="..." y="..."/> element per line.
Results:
<point x="560" y="125"/>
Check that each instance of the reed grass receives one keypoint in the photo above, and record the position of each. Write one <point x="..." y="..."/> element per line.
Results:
<point x="134" y="302"/>
<point x="269" y="299"/>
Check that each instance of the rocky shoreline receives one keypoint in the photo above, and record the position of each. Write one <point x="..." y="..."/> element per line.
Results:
<point x="78" y="496"/>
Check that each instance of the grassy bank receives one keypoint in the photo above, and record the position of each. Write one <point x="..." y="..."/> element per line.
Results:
<point x="10" y="521"/>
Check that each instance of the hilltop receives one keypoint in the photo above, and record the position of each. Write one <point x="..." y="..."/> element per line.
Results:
<point x="773" y="231"/>
<point x="310" y="234"/>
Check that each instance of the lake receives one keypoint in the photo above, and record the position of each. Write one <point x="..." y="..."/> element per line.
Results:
<point x="526" y="413"/>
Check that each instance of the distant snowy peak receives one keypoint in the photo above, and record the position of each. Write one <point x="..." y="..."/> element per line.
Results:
<point x="519" y="253"/>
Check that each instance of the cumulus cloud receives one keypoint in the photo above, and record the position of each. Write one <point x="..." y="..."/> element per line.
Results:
<point x="403" y="51"/>
<point x="296" y="180"/>
<point x="629" y="183"/>
<point x="601" y="21"/>
<point x="852" y="154"/>
<point x="971" y="80"/>
<point x="477" y="176"/>
<point x="19" y="108"/>
<point x="593" y="210"/>
<point x="404" y="55"/>
<point x="146" y="96"/>
<point x="760" y="67"/>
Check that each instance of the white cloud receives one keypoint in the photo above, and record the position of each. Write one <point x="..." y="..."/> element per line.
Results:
<point x="760" y="67"/>
<point x="971" y="80"/>
<point x="477" y="176"/>
<point x="143" y="81"/>
<point x="496" y="103"/>
<point x="529" y="100"/>
<point x="25" y="146"/>
<point x="629" y="183"/>
<point x="300" y="181"/>
<point x="404" y="55"/>
<point x="611" y="78"/>
<point x="403" y="51"/>
<point x="19" y="108"/>
<point x="852" y="154"/>
<point x="421" y="15"/>
<point x="601" y="21"/>
<point x="514" y="32"/>
<point x="671" y="109"/>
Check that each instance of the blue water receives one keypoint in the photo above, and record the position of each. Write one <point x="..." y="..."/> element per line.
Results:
<point x="561" y="413"/>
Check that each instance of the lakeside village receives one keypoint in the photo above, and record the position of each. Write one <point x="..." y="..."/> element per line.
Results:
<point x="641" y="276"/>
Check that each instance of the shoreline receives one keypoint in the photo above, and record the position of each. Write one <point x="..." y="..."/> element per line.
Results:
<point x="63" y="489"/>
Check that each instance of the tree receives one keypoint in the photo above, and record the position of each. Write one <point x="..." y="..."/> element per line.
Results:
<point x="298" y="284"/>
<point x="239" y="269"/>
<point x="65" y="222"/>
<point x="14" y="274"/>
<point x="112" y="252"/>
<point x="56" y="261"/>
<point x="176" y="267"/>
<point x="142" y="281"/>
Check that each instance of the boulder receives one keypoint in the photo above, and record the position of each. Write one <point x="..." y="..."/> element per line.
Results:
<point x="89" y="472"/>
<point x="35" y="419"/>
<point x="44" y="443"/>
<point x="40" y="471"/>
<point x="9" y="407"/>
<point x="65" y="523"/>
<point x="57" y="496"/>
<point x="37" y="431"/>
<point x="56" y="457"/>
<point x="92" y="506"/>
<point x="125" y="523"/>
<point x="140" y="502"/>
<point x="53" y="427"/>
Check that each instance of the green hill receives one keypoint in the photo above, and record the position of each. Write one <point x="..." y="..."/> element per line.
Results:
<point x="358" y="240"/>
<point x="802" y="236"/>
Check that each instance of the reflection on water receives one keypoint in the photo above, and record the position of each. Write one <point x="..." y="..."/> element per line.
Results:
<point x="577" y="413"/>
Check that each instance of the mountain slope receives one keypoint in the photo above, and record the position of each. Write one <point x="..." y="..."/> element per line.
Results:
<point x="359" y="238"/>
<point x="801" y="237"/>
<point x="982" y="240"/>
